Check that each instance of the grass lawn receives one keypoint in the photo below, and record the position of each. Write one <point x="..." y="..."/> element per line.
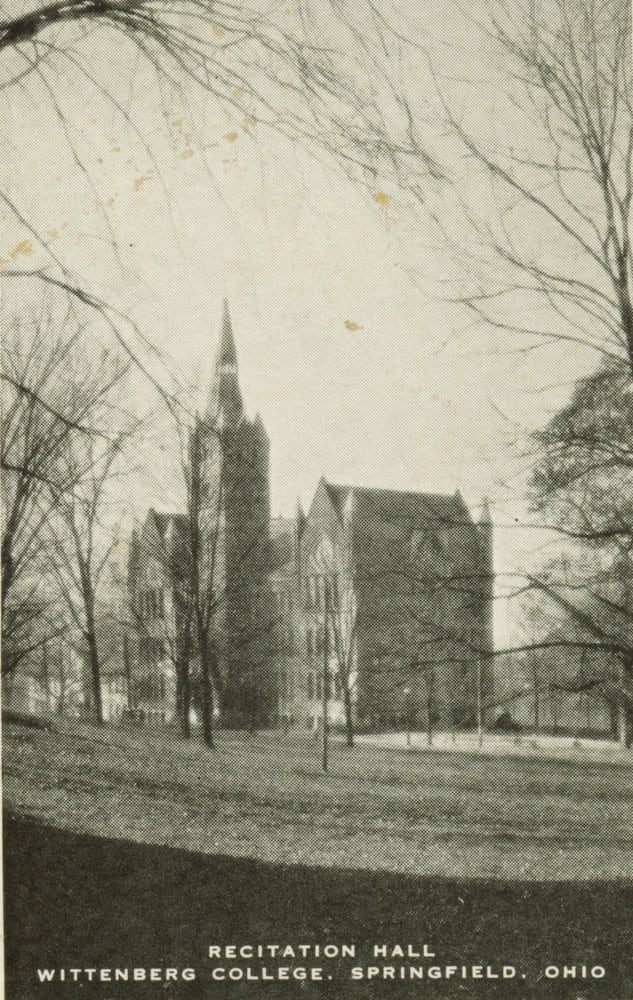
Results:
<point x="424" y="813"/>
<point x="74" y="900"/>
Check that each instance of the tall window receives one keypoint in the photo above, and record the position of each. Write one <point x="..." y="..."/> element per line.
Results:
<point x="320" y="639"/>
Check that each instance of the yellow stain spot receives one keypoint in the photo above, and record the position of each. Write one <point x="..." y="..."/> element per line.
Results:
<point x="141" y="180"/>
<point x="25" y="248"/>
<point x="211" y="145"/>
<point x="186" y="154"/>
<point x="351" y="325"/>
<point x="383" y="199"/>
<point x="231" y="136"/>
<point x="239" y="93"/>
<point x="99" y="159"/>
<point x="218" y="31"/>
<point x="248" y="124"/>
<point x="110" y="202"/>
<point x="53" y="233"/>
<point x="116" y="149"/>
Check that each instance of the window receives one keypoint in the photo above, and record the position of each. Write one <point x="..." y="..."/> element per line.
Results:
<point x="319" y="686"/>
<point x="310" y="686"/>
<point x="320" y="640"/>
<point x="337" y="686"/>
<point x="309" y="642"/>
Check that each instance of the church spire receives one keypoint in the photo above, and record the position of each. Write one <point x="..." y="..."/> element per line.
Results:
<point x="227" y="355"/>
<point x="225" y="407"/>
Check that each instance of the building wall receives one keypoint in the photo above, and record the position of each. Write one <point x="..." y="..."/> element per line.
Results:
<point x="411" y="603"/>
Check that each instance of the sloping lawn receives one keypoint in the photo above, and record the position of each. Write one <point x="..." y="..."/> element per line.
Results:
<point x="264" y="797"/>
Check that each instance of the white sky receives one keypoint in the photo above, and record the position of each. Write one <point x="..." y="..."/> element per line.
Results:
<point x="407" y="397"/>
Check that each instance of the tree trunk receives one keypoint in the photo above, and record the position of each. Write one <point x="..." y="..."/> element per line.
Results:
<point x="207" y="708"/>
<point x="127" y="664"/>
<point x="45" y="677"/>
<point x="349" y="720"/>
<point x="206" y="692"/>
<point x="183" y="698"/>
<point x="186" y="705"/>
<point x="95" y="676"/>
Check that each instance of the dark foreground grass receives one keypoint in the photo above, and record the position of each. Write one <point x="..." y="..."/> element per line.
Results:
<point x="423" y="813"/>
<point x="86" y="902"/>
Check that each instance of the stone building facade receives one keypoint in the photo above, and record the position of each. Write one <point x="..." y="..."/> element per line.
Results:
<point x="386" y="594"/>
<point x="226" y="532"/>
<point x="389" y="594"/>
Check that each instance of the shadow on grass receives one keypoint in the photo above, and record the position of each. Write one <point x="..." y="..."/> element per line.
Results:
<point x="76" y="901"/>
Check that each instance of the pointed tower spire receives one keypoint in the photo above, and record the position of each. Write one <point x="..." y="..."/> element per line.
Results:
<point x="225" y="407"/>
<point x="227" y="355"/>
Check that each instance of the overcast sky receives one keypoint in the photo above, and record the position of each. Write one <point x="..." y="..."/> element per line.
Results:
<point x="359" y="369"/>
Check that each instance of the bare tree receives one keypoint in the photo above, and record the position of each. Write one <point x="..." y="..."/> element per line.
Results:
<point x="176" y="625"/>
<point x="546" y="254"/>
<point x="552" y="239"/>
<point x="204" y="553"/>
<point x="296" y="72"/>
<point x="80" y="541"/>
<point x="581" y="483"/>
<point x="218" y="626"/>
<point x="47" y="417"/>
<point x="342" y="612"/>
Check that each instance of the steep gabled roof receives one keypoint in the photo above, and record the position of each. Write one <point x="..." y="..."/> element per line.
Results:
<point x="391" y="505"/>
